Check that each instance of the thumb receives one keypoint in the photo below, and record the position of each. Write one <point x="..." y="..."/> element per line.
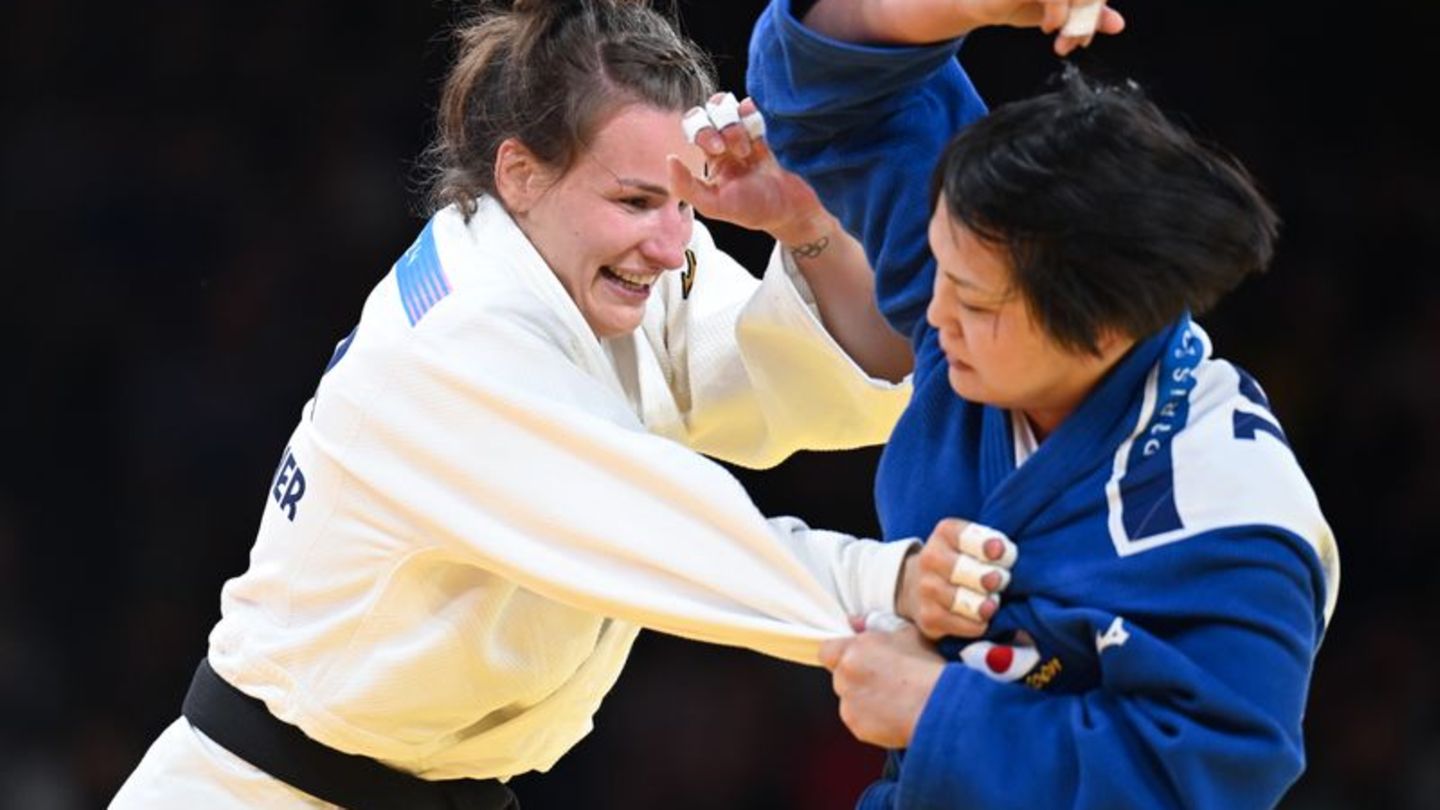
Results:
<point x="831" y="651"/>
<point x="687" y="187"/>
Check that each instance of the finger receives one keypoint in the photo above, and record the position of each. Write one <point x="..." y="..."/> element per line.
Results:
<point x="985" y="543"/>
<point x="1083" y="19"/>
<point x="947" y="530"/>
<point x="1111" y="21"/>
<point x="688" y="187"/>
<point x="723" y="109"/>
<point x="724" y="113"/>
<point x="942" y="624"/>
<point x="759" y="150"/>
<point x="737" y="140"/>
<point x="1064" y="46"/>
<point x="936" y="621"/>
<point x="971" y="605"/>
<point x="752" y="120"/>
<point x="832" y="651"/>
<point x="1053" y="15"/>
<point x="711" y="142"/>
<point x="693" y="122"/>
<point x="968" y="572"/>
<point x="700" y="130"/>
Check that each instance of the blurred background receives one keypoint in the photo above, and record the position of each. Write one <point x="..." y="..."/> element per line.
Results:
<point x="197" y="196"/>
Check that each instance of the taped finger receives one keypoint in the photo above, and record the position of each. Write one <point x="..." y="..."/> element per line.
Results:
<point x="1083" y="20"/>
<point x="968" y="603"/>
<point x="1053" y="14"/>
<point x="976" y="539"/>
<point x="969" y="572"/>
<point x="754" y="124"/>
<point x="723" y="109"/>
<point x="694" y="120"/>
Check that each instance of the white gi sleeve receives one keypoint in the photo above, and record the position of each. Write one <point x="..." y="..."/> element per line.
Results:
<point x="755" y="372"/>
<point x="483" y="438"/>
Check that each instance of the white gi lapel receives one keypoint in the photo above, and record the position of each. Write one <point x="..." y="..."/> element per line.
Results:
<point x="492" y="227"/>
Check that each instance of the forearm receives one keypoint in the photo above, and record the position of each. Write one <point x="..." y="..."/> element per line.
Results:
<point x="834" y="266"/>
<point x="586" y="510"/>
<point x="863" y="126"/>
<point x="862" y="574"/>
<point x="878" y="21"/>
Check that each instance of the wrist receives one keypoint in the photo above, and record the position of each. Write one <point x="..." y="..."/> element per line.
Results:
<point x="805" y="230"/>
<point x="905" y="584"/>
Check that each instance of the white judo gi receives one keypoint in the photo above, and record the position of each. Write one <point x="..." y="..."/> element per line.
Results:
<point x="484" y="503"/>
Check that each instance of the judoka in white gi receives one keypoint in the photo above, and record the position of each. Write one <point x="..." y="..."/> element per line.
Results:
<point x="495" y="485"/>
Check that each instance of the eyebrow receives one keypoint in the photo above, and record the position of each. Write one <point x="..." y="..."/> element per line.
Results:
<point x="643" y="185"/>
<point x="966" y="283"/>
<point x="991" y="297"/>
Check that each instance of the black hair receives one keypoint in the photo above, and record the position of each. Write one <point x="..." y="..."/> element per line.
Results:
<point x="1111" y="214"/>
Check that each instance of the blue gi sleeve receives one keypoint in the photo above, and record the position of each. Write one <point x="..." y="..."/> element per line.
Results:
<point x="1198" y="702"/>
<point x="865" y="125"/>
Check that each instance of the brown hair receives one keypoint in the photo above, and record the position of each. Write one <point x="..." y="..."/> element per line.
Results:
<point x="549" y="73"/>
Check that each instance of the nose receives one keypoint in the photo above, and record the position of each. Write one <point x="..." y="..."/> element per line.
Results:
<point x="932" y="310"/>
<point x="936" y="312"/>
<point x="664" y="247"/>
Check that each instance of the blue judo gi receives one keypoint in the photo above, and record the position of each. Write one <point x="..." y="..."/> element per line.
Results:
<point x="1175" y="570"/>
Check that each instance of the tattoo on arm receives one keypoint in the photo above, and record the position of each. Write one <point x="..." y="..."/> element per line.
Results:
<point x="810" y="250"/>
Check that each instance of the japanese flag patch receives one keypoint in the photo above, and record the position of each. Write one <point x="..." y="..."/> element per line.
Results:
<point x="1002" y="662"/>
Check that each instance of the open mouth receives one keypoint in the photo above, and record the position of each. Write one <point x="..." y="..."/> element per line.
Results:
<point x="633" y="284"/>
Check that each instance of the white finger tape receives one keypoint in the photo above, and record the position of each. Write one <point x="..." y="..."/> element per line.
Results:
<point x="1083" y="20"/>
<point x="695" y="119"/>
<point x="883" y="620"/>
<point x="754" y="124"/>
<point x="967" y="603"/>
<point x="723" y="110"/>
<point x="972" y="542"/>
<point x="969" y="572"/>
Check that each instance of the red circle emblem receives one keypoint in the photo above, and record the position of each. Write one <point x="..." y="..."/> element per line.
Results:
<point x="1000" y="657"/>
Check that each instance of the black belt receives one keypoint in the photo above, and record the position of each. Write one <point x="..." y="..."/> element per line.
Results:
<point x="244" y="727"/>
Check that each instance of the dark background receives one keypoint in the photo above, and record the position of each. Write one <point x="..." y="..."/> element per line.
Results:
<point x="197" y="196"/>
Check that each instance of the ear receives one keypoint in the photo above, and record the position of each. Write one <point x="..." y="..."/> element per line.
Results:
<point x="520" y="177"/>
<point x="1112" y="342"/>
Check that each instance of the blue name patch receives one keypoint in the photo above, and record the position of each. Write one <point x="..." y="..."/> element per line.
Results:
<point x="421" y="278"/>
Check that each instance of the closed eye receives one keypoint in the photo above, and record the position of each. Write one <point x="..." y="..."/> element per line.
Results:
<point x="648" y="203"/>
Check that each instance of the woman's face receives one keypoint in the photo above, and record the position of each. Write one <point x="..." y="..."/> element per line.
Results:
<point x="997" y="352"/>
<point x="610" y="226"/>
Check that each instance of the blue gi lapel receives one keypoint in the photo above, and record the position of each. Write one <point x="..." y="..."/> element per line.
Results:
<point x="997" y="451"/>
<point x="1086" y="439"/>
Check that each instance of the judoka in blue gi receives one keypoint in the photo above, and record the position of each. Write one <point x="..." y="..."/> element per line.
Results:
<point x="1175" y="572"/>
